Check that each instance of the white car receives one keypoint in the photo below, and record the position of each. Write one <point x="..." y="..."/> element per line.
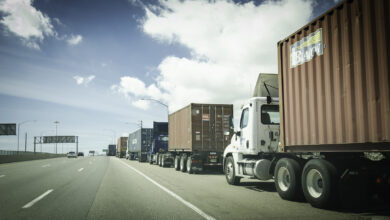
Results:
<point x="72" y="154"/>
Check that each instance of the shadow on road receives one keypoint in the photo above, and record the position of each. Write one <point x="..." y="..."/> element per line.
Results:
<point x="260" y="186"/>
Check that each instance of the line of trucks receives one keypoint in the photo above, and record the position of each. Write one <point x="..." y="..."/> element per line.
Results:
<point x="320" y="128"/>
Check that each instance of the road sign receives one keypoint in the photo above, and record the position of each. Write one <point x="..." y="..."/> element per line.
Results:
<point x="59" y="139"/>
<point x="8" y="129"/>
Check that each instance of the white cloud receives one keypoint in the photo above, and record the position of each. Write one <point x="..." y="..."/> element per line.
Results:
<point x="230" y="45"/>
<point x="83" y="80"/>
<point x="75" y="39"/>
<point x="133" y="88"/>
<point x="22" y="19"/>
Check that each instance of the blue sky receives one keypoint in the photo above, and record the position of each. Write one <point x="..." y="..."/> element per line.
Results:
<point x="88" y="63"/>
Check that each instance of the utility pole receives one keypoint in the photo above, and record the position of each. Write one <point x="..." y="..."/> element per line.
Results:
<point x="19" y="124"/>
<point x="25" y="142"/>
<point x="56" y="122"/>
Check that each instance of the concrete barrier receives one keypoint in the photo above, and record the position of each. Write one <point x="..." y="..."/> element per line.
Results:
<point x="25" y="156"/>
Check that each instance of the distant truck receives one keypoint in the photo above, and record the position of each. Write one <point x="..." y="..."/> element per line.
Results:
<point x="198" y="135"/>
<point x="159" y="141"/>
<point x="111" y="150"/>
<point x="122" y="147"/>
<point x="326" y="137"/>
<point x="139" y="144"/>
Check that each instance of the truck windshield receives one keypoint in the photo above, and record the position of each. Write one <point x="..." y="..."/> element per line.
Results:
<point x="270" y="114"/>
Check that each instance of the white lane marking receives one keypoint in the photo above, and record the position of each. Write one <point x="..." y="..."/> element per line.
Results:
<point x="28" y="205"/>
<point x="81" y="169"/>
<point x="2" y="176"/>
<point x="174" y="195"/>
<point x="47" y="165"/>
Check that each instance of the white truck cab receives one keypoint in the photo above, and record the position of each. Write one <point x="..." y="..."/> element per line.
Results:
<point x="258" y="134"/>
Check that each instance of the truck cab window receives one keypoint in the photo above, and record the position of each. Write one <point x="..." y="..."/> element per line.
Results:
<point x="270" y="114"/>
<point x="244" y="118"/>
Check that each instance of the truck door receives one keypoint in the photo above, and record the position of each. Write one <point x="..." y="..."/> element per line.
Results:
<point x="244" y="128"/>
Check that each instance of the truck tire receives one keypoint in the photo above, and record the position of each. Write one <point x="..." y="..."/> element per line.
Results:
<point x="162" y="161"/>
<point x="183" y="161"/>
<point x="157" y="159"/>
<point x="151" y="159"/>
<point x="177" y="162"/>
<point x="230" y="173"/>
<point x="189" y="165"/>
<point x="319" y="183"/>
<point x="288" y="179"/>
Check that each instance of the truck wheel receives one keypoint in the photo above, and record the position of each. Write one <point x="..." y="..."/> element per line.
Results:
<point x="162" y="161"/>
<point x="183" y="161"/>
<point x="157" y="158"/>
<point x="189" y="165"/>
<point x="177" y="163"/>
<point x="151" y="159"/>
<point x="230" y="173"/>
<point x="288" y="179"/>
<point x="319" y="183"/>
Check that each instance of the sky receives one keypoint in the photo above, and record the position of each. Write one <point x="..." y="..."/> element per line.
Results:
<point x="88" y="64"/>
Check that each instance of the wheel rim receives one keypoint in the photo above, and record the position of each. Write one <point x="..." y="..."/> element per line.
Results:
<point x="314" y="183"/>
<point x="189" y="165"/>
<point x="284" y="179"/>
<point x="229" y="170"/>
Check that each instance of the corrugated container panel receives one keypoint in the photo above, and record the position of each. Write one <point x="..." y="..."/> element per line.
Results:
<point x="200" y="127"/>
<point x="140" y="140"/>
<point x="334" y="77"/>
<point x="122" y="144"/>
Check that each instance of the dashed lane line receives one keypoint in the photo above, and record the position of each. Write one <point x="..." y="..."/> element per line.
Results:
<point x="28" y="205"/>
<point x="81" y="169"/>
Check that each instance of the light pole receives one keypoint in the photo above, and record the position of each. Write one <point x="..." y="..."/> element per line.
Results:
<point x="56" y="122"/>
<point x="113" y="133"/>
<point x="140" y="123"/>
<point x="19" y="129"/>
<point x="159" y="102"/>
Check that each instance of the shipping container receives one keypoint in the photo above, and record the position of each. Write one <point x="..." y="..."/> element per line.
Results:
<point x="334" y="80"/>
<point x="111" y="150"/>
<point x="139" y="144"/>
<point x="122" y="146"/>
<point x="200" y="127"/>
<point x="198" y="134"/>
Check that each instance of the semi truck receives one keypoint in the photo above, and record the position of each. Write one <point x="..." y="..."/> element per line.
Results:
<point x="159" y="141"/>
<point x="198" y="134"/>
<point x="122" y="147"/>
<point x="111" y="150"/>
<point x="139" y="144"/>
<point x="326" y="137"/>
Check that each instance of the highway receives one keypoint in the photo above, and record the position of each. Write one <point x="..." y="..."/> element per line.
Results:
<point x="112" y="188"/>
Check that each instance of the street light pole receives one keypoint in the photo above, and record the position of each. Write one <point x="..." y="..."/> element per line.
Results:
<point x="56" y="122"/>
<point x="159" y="102"/>
<point x="19" y="129"/>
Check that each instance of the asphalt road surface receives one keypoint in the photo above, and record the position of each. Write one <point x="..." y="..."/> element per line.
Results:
<point x="112" y="188"/>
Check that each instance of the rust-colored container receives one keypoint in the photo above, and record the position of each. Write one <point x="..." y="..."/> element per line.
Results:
<point x="334" y="80"/>
<point x="122" y="146"/>
<point x="200" y="127"/>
